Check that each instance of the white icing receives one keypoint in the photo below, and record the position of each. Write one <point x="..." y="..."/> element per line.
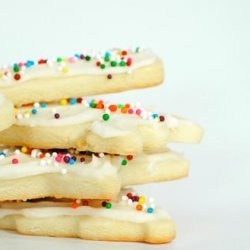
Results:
<point x="119" y="211"/>
<point x="2" y="99"/>
<point x="118" y="124"/>
<point x="27" y="166"/>
<point x="79" y="67"/>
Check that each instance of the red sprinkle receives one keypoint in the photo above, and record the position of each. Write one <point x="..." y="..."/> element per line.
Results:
<point x="162" y="118"/>
<point x="129" y="61"/>
<point x="15" y="161"/>
<point x="130" y="157"/>
<point x="98" y="64"/>
<point x="109" y="76"/>
<point x="17" y="76"/>
<point x="124" y="52"/>
<point x="57" y="115"/>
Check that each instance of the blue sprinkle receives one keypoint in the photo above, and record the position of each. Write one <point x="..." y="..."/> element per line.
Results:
<point x="29" y="64"/>
<point x="107" y="54"/>
<point x="71" y="162"/>
<point x="72" y="101"/>
<point x="34" y="111"/>
<point x="43" y="105"/>
<point x="154" y="116"/>
<point x="2" y="153"/>
<point x="150" y="210"/>
<point x="77" y="55"/>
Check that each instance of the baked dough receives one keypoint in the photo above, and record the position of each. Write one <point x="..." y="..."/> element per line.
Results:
<point x="7" y="115"/>
<point x="83" y="127"/>
<point x="25" y="176"/>
<point x="49" y="80"/>
<point x="120" y="222"/>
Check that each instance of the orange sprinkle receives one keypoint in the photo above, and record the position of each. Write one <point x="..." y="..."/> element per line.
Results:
<point x="112" y="108"/>
<point x="127" y="105"/>
<point x="74" y="205"/>
<point x="99" y="105"/>
<point x="124" y="110"/>
<point x="139" y="207"/>
<point x="41" y="156"/>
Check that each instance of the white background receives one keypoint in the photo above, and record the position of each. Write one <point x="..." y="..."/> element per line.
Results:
<point x="205" y="48"/>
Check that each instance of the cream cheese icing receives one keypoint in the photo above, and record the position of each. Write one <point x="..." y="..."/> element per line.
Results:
<point x="2" y="99"/>
<point x="74" y="66"/>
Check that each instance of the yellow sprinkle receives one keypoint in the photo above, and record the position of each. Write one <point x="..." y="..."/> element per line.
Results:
<point x="142" y="200"/>
<point x="65" y="70"/>
<point x="24" y="149"/>
<point x="63" y="102"/>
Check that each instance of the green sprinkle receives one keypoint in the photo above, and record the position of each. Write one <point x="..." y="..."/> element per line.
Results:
<point x="137" y="49"/>
<point x="105" y="117"/>
<point x="124" y="162"/>
<point x="92" y="105"/>
<point x="113" y="63"/>
<point x="59" y="59"/>
<point x="16" y="68"/>
<point x="88" y="58"/>
<point x="106" y="59"/>
<point x="103" y="66"/>
<point x="108" y="205"/>
<point x="120" y="106"/>
<point x="122" y="63"/>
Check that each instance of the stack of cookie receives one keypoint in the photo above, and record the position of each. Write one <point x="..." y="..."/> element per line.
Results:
<point x="68" y="158"/>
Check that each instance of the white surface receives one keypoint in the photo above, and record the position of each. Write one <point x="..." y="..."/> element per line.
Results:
<point x="205" y="47"/>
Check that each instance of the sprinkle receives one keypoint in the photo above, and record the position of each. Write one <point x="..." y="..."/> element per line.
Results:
<point x="72" y="101"/>
<point x="108" y="205"/>
<point x="63" y="171"/>
<point x="74" y="205"/>
<point x="122" y="63"/>
<point x="17" y="76"/>
<point x="57" y="115"/>
<point x="82" y="159"/>
<point x="43" y="105"/>
<point x="24" y="149"/>
<point x="15" y="161"/>
<point x="162" y="118"/>
<point x="87" y="58"/>
<point x="34" y="111"/>
<point x="130" y="111"/>
<point x="104" y="203"/>
<point x="142" y="199"/>
<point x="139" y="207"/>
<point x="109" y="76"/>
<point x="36" y="105"/>
<point x="63" y="102"/>
<point x="105" y="117"/>
<point x="124" y="162"/>
<point x="112" y="108"/>
<point x="71" y="161"/>
<point x="17" y="152"/>
<point x="130" y="157"/>
<point x="113" y="63"/>
<point x="150" y="210"/>
<point x="65" y="70"/>
<point x="102" y="66"/>
<point x="66" y="159"/>
<point x="138" y="111"/>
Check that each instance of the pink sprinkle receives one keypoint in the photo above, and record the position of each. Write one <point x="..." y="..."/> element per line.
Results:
<point x="131" y="111"/>
<point x="72" y="59"/>
<point x="21" y="64"/>
<point x="58" y="159"/>
<point x="138" y="111"/>
<point x="14" y="161"/>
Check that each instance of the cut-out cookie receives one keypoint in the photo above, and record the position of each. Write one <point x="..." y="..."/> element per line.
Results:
<point x="99" y="127"/>
<point x="7" y="114"/>
<point x="80" y="75"/>
<point x="130" y="218"/>
<point x="71" y="175"/>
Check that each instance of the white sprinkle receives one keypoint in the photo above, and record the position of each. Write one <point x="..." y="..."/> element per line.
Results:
<point x="151" y="199"/>
<point x="54" y="154"/>
<point x="152" y="205"/>
<point x="78" y="202"/>
<point x="34" y="153"/>
<point x="17" y="152"/>
<point x="47" y="155"/>
<point x="130" y="201"/>
<point x="19" y="116"/>
<point x="63" y="171"/>
<point x="37" y="105"/>
<point x="101" y="155"/>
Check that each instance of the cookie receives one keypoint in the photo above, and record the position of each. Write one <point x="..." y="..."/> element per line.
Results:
<point x="99" y="127"/>
<point x="7" y="115"/>
<point x="130" y="218"/>
<point x="69" y="174"/>
<point x="83" y="74"/>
